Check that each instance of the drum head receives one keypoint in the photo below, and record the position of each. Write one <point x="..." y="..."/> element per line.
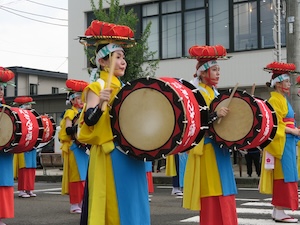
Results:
<point x="241" y="125"/>
<point x="146" y="119"/>
<point x="6" y="129"/>
<point x="238" y="123"/>
<point x="146" y="124"/>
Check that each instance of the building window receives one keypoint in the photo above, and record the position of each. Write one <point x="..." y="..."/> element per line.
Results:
<point x="54" y="90"/>
<point x="171" y="29"/>
<point x="219" y="23"/>
<point x="267" y="24"/>
<point x="245" y="26"/>
<point x="150" y="13"/>
<point x="194" y="29"/>
<point x="33" y="89"/>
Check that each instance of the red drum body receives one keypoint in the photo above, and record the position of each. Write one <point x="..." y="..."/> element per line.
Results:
<point x="48" y="128"/>
<point x="20" y="129"/>
<point x="250" y="123"/>
<point x="155" y="117"/>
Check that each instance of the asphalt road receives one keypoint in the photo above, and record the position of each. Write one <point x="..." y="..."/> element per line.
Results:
<point x="49" y="207"/>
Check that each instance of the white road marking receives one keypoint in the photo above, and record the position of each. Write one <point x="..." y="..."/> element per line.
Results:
<point x="44" y="190"/>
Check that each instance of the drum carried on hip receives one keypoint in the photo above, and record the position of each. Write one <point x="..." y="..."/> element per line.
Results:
<point x="154" y="117"/>
<point x="250" y="123"/>
<point x="20" y="129"/>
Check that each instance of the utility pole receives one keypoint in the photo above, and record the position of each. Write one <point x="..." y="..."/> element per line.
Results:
<point x="293" y="48"/>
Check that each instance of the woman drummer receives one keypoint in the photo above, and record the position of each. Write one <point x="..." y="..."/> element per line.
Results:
<point x="74" y="155"/>
<point x="117" y="191"/>
<point x="209" y="184"/>
<point x="280" y="178"/>
<point x="25" y="162"/>
<point x="6" y="161"/>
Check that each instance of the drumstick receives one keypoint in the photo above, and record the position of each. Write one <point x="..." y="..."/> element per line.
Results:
<point x="229" y="100"/>
<point x="107" y="85"/>
<point x="252" y="89"/>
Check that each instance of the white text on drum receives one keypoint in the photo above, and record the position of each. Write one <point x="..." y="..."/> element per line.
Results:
<point x="29" y="126"/>
<point x="191" y="111"/>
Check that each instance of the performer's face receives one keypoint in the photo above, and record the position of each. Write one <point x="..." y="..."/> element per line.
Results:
<point x="77" y="102"/>
<point x="121" y="63"/>
<point x="212" y="75"/>
<point x="284" y="86"/>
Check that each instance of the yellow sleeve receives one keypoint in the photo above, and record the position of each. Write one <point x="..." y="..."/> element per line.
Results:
<point x="62" y="135"/>
<point x="276" y="147"/>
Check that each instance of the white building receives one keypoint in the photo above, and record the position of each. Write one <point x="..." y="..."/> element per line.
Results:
<point x="243" y="27"/>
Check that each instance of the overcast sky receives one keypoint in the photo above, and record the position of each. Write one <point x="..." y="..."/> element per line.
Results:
<point x="34" y="34"/>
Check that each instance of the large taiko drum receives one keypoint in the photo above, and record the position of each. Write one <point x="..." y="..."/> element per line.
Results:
<point x="19" y="130"/>
<point x="155" y="117"/>
<point x="250" y="123"/>
<point x="48" y="128"/>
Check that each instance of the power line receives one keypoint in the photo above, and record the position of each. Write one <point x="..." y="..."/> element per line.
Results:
<point x="34" y="19"/>
<point x="49" y="17"/>
<point x="46" y="5"/>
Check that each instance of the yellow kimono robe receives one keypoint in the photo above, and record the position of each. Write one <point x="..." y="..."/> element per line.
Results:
<point x="201" y="168"/>
<point x="70" y="171"/>
<point x="276" y="147"/>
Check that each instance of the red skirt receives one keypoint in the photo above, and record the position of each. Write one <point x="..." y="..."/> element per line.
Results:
<point x="7" y="202"/>
<point x="218" y="210"/>
<point x="76" y="190"/>
<point x="26" y="179"/>
<point x="285" y="194"/>
<point x="150" y="182"/>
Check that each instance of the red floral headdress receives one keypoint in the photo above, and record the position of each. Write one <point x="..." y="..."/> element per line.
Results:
<point x="76" y="85"/>
<point x="278" y="68"/>
<point x="206" y="53"/>
<point x="5" y="75"/>
<point x="100" y="32"/>
<point x="20" y="100"/>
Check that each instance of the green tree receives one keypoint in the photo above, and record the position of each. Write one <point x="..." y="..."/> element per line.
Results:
<point x="140" y="59"/>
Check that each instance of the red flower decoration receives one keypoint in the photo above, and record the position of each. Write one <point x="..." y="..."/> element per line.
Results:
<point x="100" y="28"/>
<point x="23" y="100"/>
<point x="280" y="67"/>
<point x="206" y="53"/>
<point x="6" y="75"/>
<point x="76" y="85"/>
<point x="298" y="80"/>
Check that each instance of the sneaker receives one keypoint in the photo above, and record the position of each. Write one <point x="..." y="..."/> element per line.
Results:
<point x="75" y="209"/>
<point x="31" y="194"/>
<point x="2" y="223"/>
<point x="23" y="194"/>
<point x="176" y="191"/>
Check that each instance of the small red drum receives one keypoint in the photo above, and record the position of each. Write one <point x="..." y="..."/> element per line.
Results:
<point x="19" y="129"/>
<point x="48" y="128"/>
<point x="154" y="117"/>
<point x="250" y="123"/>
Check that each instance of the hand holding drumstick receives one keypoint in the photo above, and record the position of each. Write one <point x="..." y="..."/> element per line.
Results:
<point x="104" y="96"/>
<point x="224" y="110"/>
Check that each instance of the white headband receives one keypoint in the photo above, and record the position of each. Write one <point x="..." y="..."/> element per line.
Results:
<point x="280" y="78"/>
<point x="106" y="50"/>
<point x="74" y="95"/>
<point x="206" y="66"/>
